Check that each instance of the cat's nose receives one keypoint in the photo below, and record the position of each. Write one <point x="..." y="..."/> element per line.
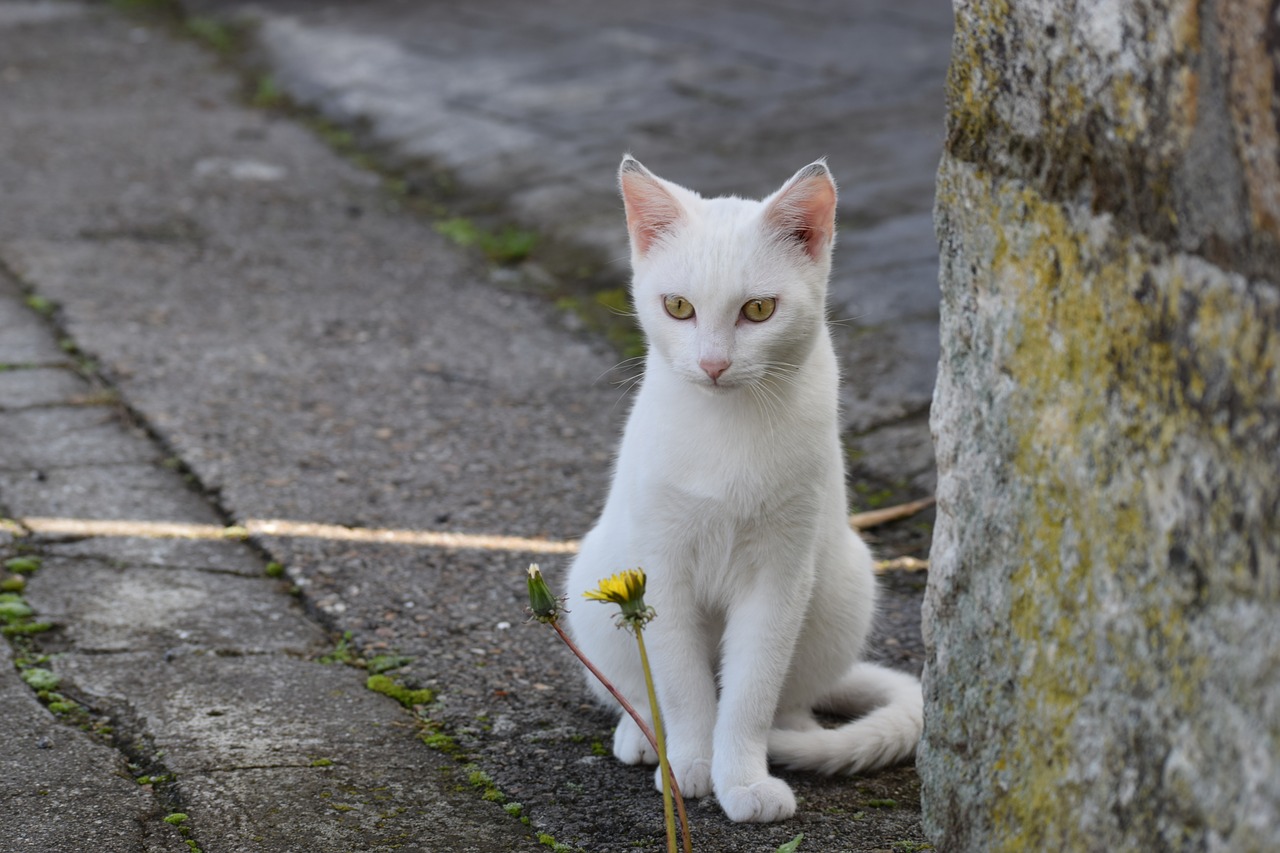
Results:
<point x="714" y="367"/>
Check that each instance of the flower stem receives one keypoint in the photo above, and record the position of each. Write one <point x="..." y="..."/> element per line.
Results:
<point x="644" y="727"/>
<point x="667" y="776"/>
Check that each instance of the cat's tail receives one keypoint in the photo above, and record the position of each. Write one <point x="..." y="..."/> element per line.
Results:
<point x="892" y="706"/>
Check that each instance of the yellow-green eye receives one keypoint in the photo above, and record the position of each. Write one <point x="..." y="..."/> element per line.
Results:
<point x="759" y="310"/>
<point x="678" y="307"/>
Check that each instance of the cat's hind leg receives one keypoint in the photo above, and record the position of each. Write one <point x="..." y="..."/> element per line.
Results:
<point x="630" y="746"/>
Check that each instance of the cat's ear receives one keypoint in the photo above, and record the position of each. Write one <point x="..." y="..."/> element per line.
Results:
<point x="652" y="211"/>
<point x="803" y="212"/>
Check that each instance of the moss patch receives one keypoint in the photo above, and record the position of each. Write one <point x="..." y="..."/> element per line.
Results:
<point x="39" y="678"/>
<point x="505" y="245"/>
<point x="23" y="565"/>
<point x="404" y="695"/>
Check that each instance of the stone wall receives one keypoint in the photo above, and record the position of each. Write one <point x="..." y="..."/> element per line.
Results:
<point x="1103" y="610"/>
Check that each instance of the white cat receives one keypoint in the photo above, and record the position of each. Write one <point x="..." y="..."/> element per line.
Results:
<point x="729" y="492"/>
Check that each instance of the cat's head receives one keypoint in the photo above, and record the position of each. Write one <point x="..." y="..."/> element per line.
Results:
<point x="728" y="291"/>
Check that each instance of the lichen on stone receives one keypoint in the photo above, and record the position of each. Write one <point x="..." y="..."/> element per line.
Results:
<point x="1105" y="579"/>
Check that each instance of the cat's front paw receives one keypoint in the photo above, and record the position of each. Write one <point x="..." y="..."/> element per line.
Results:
<point x="692" y="775"/>
<point x="765" y="801"/>
<point x="630" y="746"/>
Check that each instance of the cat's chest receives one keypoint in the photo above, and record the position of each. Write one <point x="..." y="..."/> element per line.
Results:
<point x="729" y="463"/>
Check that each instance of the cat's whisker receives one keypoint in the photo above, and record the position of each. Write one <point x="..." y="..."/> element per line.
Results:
<point x="631" y="379"/>
<point x="625" y="364"/>
<point x="627" y="385"/>
<point x="765" y="402"/>
<point x="768" y="398"/>
<point x="630" y="382"/>
<point x="844" y="321"/>
<point x="781" y="371"/>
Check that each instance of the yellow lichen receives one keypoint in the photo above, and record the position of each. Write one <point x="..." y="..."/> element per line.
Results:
<point x="1101" y="394"/>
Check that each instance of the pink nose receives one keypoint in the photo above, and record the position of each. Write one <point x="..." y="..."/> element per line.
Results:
<point x="714" y="367"/>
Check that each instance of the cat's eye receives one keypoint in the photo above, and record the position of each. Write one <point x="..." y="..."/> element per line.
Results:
<point x="678" y="307"/>
<point x="759" y="310"/>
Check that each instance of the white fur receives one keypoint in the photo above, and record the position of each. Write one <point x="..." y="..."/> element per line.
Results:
<point x="730" y="494"/>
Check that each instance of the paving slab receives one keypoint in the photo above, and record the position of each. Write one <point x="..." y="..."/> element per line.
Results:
<point x="114" y="606"/>
<point x="129" y="491"/>
<point x="63" y="789"/>
<point x="208" y="555"/>
<point x="272" y="752"/>
<point x="20" y="343"/>
<point x="29" y="388"/>
<point x="44" y="438"/>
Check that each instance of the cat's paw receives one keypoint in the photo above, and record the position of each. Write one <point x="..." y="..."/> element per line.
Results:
<point x="765" y="801"/>
<point x="630" y="746"/>
<point x="693" y="776"/>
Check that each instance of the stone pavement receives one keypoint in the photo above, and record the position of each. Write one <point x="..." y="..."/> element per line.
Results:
<point x="532" y="104"/>
<point x="208" y="319"/>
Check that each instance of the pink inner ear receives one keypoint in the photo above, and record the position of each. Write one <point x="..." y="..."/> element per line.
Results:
<point x="651" y="210"/>
<point x="805" y="211"/>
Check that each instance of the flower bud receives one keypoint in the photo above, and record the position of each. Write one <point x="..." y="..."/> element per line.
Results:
<point x="545" y="606"/>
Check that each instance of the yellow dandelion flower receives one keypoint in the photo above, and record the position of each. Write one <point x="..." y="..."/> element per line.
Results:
<point x="622" y="588"/>
<point x="625" y="589"/>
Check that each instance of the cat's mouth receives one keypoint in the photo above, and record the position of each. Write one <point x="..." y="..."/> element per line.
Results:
<point x="721" y="385"/>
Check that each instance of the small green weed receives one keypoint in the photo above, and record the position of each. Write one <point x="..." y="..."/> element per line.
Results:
<point x="13" y="608"/>
<point x="507" y="246"/>
<point x="488" y="789"/>
<point x="23" y="565"/>
<point x="342" y="652"/>
<point x="872" y="497"/>
<point x="15" y="614"/>
<point x="41" y="305"/>
<point x="154" y="780"/>
<point x="549" y="841"/>
<point x="223" y="38"/>
<point x="386" y="663"/>
<point x="38" y="678"/>
<point x="26" y="629"/>
<point x="267" y="95"/>
<point x="404" y="695"/>
<point x="440" y="742"/>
